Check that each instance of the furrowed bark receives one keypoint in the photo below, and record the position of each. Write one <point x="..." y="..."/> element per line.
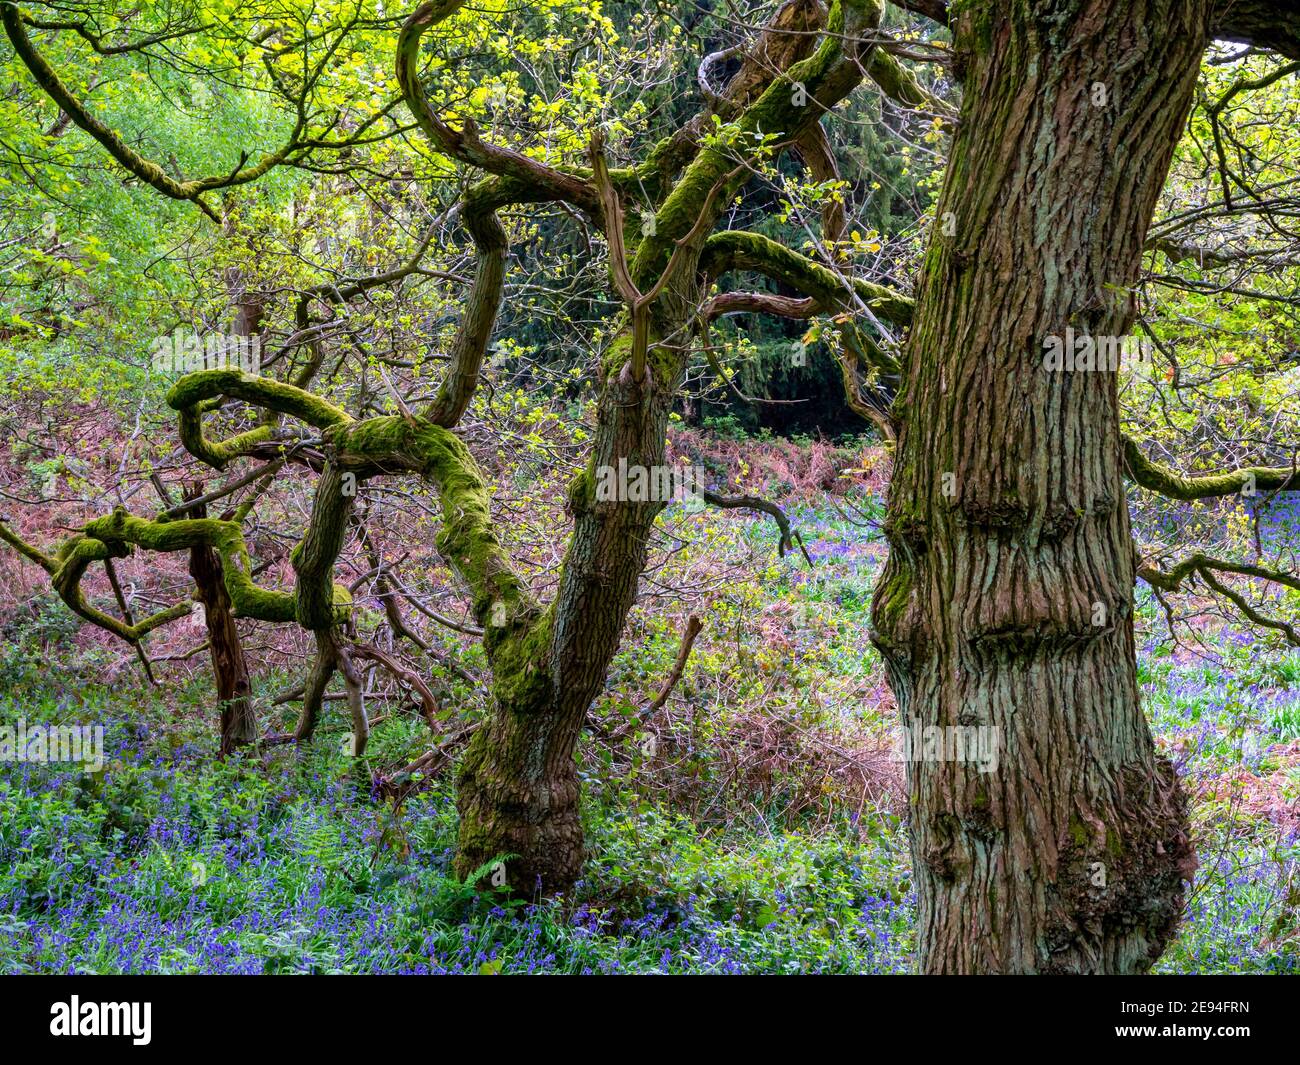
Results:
<point x="518" y="782"/>
<point x="1006" y="602"/>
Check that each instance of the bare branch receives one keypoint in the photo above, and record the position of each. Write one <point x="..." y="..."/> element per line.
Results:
<point x="748" y="502"/>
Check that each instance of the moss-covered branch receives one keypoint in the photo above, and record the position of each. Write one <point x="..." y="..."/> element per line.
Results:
<point x="516" y="630"/>
<point x="1169" y="482"/>
<point x="900" y="85"/>
<point x="191" y="397"/>
<point x="117" y="535"/>
<point x="1171" y="579"/>
<point x="121" y="531"/>
<point x="468" y="540"/>
<point x="66" y="568"/>
<point x="735" y="249"/>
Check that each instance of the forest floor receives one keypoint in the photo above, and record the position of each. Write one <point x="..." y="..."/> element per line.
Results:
<point x="753" y="826"/>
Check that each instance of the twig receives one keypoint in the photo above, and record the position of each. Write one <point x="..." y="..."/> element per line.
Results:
<point x="126" y="616"/>
<point x="692" y="630"/>
<point x="406" y="676"/>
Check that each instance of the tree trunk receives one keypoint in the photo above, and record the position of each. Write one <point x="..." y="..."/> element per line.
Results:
<point x="1006" y="602"/>
<point x="518" y="784"/>
<point x="229" y="667"/>
<point x="518" y="787"/>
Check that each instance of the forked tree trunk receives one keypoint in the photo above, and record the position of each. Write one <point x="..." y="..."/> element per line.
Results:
<point x="229" y="666"/>
<point x="1007" y="598"/>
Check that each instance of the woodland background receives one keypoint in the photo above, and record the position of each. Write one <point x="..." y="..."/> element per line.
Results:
<point x="755" y="822"/>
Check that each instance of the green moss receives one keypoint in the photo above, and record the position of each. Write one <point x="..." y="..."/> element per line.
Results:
<point x="193" y="395"/>
<point x="521" y="679"/>
<point x="665" y="365"/>
<point x="217" y="455"/>
<point x="467" y="539"/>
<point x="1114" y="844"/>
<point x="518" y="648"/>
<point x="582" y="491"/>
<point x="616" y="354"/>
<point x="260" y="391"/>
<point x="735" y="249"/>
<point x="226" y="537"/>
<point x="374" y="438"/>
<point x="1169" y="482"/>
<point x="892" y="594"/>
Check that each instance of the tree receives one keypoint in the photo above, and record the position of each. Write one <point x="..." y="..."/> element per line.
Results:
<point x="518" y="789"/>
<point x="1007" y="599"/>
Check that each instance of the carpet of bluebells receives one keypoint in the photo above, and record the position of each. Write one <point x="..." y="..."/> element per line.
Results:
<point x="171" y="861"/>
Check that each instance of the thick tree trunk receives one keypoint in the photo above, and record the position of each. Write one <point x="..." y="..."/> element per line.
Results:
<point x="229" y="667"/>
<point x="1007" y="599"/>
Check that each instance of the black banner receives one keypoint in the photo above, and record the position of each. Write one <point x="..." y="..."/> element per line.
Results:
<point x="146" y="1014"/>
